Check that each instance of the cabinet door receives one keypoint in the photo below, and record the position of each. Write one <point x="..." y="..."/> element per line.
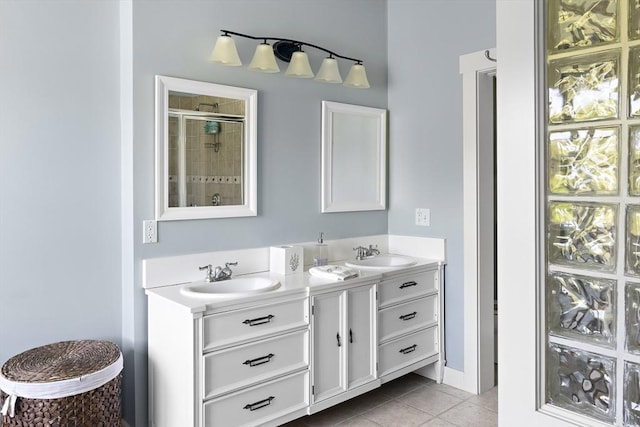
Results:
<point x="328" y="345"/>
<point x="360" y="335"/>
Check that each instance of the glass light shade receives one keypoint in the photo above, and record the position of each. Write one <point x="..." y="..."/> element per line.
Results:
<point x="264" y="60"/>
<point x="329" y="72"/>
<point x="357" y="77"/>
<point x="225" y="52"/>
<point x="299" y="66"/>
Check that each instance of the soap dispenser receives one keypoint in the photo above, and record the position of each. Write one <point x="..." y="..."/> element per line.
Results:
<point x="321" y="256"/>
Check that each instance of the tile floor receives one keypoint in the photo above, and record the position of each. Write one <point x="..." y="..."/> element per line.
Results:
<point x="411" y="400"/>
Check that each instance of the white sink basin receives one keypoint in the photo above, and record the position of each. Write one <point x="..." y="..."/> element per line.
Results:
<point x="232" y="287"/>
<point x="382" y="261"/>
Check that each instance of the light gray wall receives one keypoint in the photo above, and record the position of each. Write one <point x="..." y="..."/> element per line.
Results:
<point x="426" y="39"/>
<point x="59" y="169"/>
<point x="175" y="38"/>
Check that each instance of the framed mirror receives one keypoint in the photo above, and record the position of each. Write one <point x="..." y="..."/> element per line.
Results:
<point x="354" y="158"/>
<point x="206" y="150"/>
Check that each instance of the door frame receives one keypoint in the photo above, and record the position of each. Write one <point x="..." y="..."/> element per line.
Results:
<point x="477" y="71"/>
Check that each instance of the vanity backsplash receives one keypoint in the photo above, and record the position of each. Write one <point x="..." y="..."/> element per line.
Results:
<point x="165" y="271"/>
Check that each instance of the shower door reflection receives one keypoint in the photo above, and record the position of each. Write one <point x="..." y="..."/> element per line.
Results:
<point x="205" y="159"/>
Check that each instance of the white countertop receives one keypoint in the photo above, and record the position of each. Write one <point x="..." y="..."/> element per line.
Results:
<point x="301" y="284"/>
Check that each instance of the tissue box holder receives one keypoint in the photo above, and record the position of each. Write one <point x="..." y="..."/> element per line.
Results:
<point x="286" y="259"/>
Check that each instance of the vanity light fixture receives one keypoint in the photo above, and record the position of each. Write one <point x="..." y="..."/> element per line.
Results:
<point x="288" y="50"/>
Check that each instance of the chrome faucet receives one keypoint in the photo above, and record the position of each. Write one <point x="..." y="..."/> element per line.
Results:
<point x="219" y="273"/>
<point x="360" y="252"/>
<point x="372" y="251"/>
<point x="363" y="253"/>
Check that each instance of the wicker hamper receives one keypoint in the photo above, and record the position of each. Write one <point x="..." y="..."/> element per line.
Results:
<point x="66" y="384"/>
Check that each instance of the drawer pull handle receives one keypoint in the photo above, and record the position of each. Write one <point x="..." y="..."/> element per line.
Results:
<point x="338" y="338"/>
<point x="259" y="320"/>
<point x="409" y="349"/>
<point x="408" y="316"/>
<point x="259" y="361"/>
<point x="408" y="284"/>
<point x="260" y="404"/>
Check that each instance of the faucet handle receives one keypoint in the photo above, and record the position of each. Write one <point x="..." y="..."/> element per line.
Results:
<point x="207" y="267"/>
<point x="373" y="246"/>
<point x="210" y="276"/>
<point x="227" y="264"/>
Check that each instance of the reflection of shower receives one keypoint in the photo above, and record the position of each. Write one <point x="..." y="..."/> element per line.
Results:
<point x="188" y="161"/>
<point x="211" y="127"/>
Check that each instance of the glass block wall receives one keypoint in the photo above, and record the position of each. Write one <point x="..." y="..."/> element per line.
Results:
<point x="592" y="204"/>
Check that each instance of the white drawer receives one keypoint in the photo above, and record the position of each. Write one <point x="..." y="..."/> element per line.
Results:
<point x="259" y="405"/>
<point x="241" y="325"/>
<point x="403" y="288"/>
<point x="404" y="318"/>
<point x="245" y="365"/>
<point x="402" y="352"/>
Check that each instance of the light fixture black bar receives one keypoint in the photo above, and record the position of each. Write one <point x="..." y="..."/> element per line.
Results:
<point x="298" y="42"/>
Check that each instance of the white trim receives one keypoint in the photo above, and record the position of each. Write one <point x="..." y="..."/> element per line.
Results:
<point x="471" y="65"/>
<point x="516" y="154"/>
<point x="454" y="378"/>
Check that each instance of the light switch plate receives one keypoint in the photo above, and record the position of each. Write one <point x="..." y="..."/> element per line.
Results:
<point x="423" y="217"/>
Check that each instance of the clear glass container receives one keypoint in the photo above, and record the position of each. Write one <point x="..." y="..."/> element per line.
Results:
<point x="582" y="308"/>
<point x="582" y="235"/>
<point x="583" y="161"/>
<point x="584" y="88"/>
<point x="581" y="381"/>
<point x="578" y="24"/>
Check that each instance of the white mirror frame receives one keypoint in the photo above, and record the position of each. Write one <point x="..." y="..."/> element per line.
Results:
<point x="249" y="207"/>
<point x="332" y="169"/>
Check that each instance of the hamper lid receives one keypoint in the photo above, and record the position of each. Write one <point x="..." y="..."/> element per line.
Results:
<point x="59" y="370"/>
<point x="60" y="361"/>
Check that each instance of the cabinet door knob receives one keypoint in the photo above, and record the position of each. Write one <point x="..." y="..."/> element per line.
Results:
<point x="350" y="336"/>
<point x="338" y="338"/>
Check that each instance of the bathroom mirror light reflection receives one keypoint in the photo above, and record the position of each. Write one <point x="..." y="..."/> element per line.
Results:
<point x="354" y="157"/>
<point x="205" y="150"/>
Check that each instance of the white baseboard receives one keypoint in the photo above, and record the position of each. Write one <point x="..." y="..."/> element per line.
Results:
<point x="454" y="378"/>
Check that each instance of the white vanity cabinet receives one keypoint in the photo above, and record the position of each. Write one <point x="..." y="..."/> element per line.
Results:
<point x="410" y="310"/>
<point x="241" y="366"/>
<point x="344" y="357"/>
<point x="267" y="359"/>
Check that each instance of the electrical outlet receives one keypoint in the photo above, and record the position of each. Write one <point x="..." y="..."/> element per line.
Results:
<point x="150" y="229"/>
<point x="423" y="217"/>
